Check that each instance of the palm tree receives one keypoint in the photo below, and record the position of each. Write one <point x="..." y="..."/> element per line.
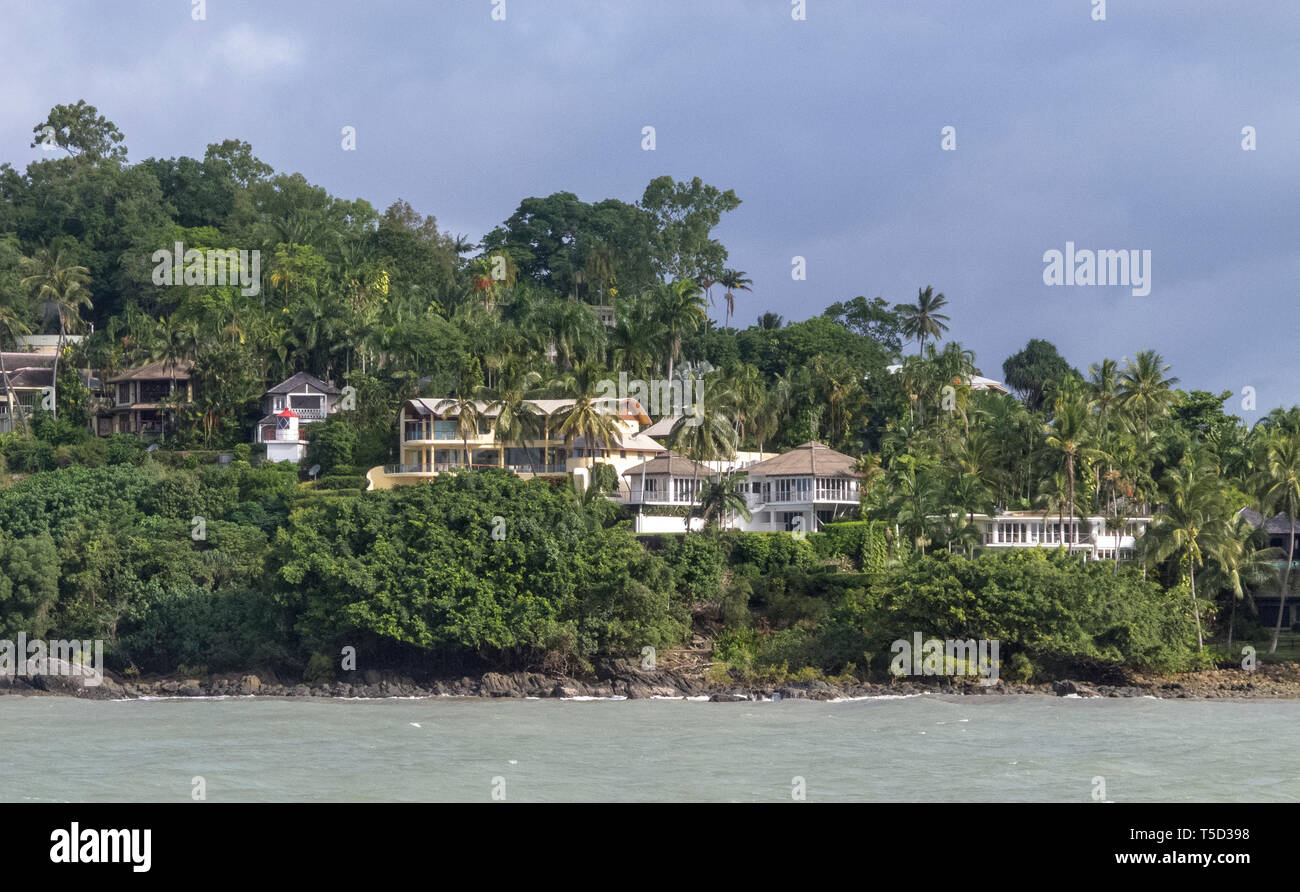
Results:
<point x="469" y="414"/>
<point x="1280" y="482"/>
<point x="1068" y="434"/>
<point x="1189" y="521"/>
<point x="914" y="499"/>
<point x="62" y="287"/>
<point x="15" y="328"/>
<point x="590" y="417"/>
<point x="923" y="319"/>
<point x="707" y="434"/>
<point x="733" y="280"/>
<point x="679" y="308"/>
<point x="1145" y="391"/>
<point x="517" y="418"/>
<point x="770" y="321"/>
<point x="720" y="500"/>
<point x="1238" y="562"/>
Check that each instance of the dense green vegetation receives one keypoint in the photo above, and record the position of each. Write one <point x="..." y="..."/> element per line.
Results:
<point x="97" y="536"/>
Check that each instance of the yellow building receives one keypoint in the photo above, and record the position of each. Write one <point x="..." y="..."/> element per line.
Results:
<point x="430" y="443"/>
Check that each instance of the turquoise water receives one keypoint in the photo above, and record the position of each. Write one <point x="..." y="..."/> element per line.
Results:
<point x="922" y="748"/>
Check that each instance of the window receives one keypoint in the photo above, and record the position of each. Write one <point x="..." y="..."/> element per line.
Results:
<point x="304" y="401"/>
<point x="444" y="430"/>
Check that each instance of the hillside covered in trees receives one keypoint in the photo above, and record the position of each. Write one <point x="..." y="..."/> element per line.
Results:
<point x="96" y="534"/>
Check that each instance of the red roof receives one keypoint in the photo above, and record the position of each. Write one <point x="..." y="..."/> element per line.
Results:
<point x="287" y="413"/>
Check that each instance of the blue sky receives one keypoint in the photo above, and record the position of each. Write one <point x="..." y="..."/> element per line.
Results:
<point x="1115" y="134"/>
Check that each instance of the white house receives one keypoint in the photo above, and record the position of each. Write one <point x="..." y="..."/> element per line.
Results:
<point x="301" y="400"/>
<point x="801" y="490"/>
<point x="1090" y="536"/>
<point x="667" y="481"/>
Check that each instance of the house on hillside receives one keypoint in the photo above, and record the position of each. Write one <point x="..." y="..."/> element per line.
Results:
<point x="143" y="400"/>
<point x="28" y="376"/>
<point x="1093" y="537"/>
<point x="431" y="443"/>
<point x="25" y="376"/>
<point x="801" y="490"/>
<point x="300" y="400"/>
<point x="668" y="480"/>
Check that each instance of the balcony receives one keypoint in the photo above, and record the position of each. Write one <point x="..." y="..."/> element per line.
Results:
<point x="637" y="496"/>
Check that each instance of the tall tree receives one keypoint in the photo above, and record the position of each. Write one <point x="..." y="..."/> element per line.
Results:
<point x="1280" y="479"/>
<point x="61" y="285"/>
<point x="1189" y="520"/>
<point x="1145" y="391"/>
<point x="679" y="309"/>
<point x="923" y="319"/>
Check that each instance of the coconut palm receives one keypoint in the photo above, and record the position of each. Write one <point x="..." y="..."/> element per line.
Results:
<point x="1238" y="561"/>
<point x="13" y="325"/>
<point x="590" y="417"/>
<point x="733" y="280"/>
<point x="679" y="309"/>
<point x="1189" y="520"/>
<point x="720" y="500"/>
<point x="1069" y="436"/>
<point x="1279" y="480"/>
<point x="517" y="418"/>
<point x="1145" y="392"/>
<point x="707" y="433"/>
<point x="61" y="286"/>
<point x="923" y="319"/>
<point x="469" y="415"/>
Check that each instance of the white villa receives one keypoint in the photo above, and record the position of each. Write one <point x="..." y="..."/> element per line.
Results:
<point x="801" y="489"/>
<point x="300" y="400"/>
<point x="798" y="491"/>
<point x="1031" y="529"/>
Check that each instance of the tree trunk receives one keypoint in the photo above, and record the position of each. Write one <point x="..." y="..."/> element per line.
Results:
<point x="1196" y="609"/>
<point x="54" y="378"/>
<point x="14" y="407"/>
<point x="1232" y="619"/>
<point x="1286" y="580"/>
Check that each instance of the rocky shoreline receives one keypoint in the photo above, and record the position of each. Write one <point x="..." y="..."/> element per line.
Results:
<point x="625" y="679"/>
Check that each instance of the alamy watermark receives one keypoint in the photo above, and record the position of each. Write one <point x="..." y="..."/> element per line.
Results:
<point x="67" y="658"/>
<point x="660" y="398"/>
<point x="1132" y="269"/>
<point x="972" y="657"/>
<point x="212" y="267"/>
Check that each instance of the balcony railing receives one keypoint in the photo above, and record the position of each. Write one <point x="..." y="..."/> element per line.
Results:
<point x="309" y="414"/>
<point x="441" y="467"/>
<point x="638" y="496"/>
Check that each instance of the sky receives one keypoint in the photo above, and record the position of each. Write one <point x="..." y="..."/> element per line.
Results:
<point x="1115" y="134"/>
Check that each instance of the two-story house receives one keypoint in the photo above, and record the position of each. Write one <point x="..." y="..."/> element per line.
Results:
<point x="144" y="400"/>
<point x="431" y="442"/>
<point x="1094" y="537"/>
<point x="300" y="400"/>
<point x="801" y="489"/>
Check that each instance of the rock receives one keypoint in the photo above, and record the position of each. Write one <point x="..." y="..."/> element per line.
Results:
<point x="191" y="688"/>
<point x="250" y="684"/>
<point x="497" y="685"/>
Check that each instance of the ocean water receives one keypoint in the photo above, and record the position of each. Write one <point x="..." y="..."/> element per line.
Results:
<point x="928" y="748"/>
